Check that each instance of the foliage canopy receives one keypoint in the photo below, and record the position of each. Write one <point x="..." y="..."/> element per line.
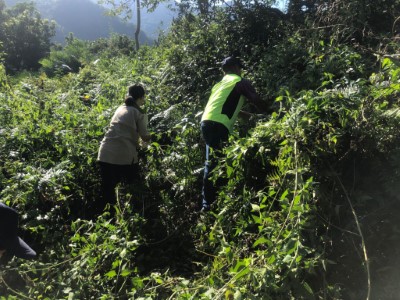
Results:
<point x="25" y="37"/>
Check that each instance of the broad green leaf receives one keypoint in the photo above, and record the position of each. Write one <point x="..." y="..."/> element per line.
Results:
<point x="242" y="273"/>
<point x="125" y="272"/>
<point x="261" y="240"/>
<point x="308" y="288"/>
<point x="111" y="274"/>
<point x="255" y="207"/>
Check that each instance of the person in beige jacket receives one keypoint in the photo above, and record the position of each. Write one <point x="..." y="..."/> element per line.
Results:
<point x="118" y="156"/>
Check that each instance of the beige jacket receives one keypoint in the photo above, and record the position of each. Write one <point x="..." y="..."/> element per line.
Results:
<point x="119" y="145"/>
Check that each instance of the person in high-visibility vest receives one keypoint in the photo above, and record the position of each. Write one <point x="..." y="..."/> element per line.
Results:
<point x="223" y="107"/>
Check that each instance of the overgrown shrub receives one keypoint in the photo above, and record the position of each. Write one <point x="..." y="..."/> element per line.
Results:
<point x="67" y="59"/>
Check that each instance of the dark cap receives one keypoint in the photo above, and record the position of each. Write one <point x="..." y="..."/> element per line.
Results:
<point x="9" y="240"/>
<point x="231" y="61"/>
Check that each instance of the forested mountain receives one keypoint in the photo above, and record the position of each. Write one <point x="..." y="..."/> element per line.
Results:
<point x="309" y="204"/>
<point x="87" y="20"/>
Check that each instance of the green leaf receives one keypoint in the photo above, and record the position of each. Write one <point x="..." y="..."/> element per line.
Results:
<point x="159" y="280"/>
<point x="123" y="253"/>
<point x="285" y="193"/>
<point x="287" y="258"/>
<point x="116" y="264"/>
<point x="229" y="171"/>
<point x="308" y="288"/>
<point x="255" y="207"/>
<point x="256" y="219"/>
<point x="261" y="240"/>
<point x="242" y="273"/>
<point x="271" y="259"/>
<point x="125" y="272"/>
<point x="111" y="274"/>
<point x="228" y="294"/>
<point x="137" y="282"/>
<point x="386" y="63"/>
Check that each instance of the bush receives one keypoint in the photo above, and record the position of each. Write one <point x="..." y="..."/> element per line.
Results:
<point x="65" y="60"/>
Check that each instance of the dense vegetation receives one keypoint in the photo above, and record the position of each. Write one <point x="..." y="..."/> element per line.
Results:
<point x="310" y="207"/>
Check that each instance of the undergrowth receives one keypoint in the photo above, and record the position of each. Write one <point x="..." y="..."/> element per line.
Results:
<point x="288" y="175"/>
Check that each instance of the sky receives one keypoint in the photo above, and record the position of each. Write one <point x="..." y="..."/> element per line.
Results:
<point x="280" y="4"/>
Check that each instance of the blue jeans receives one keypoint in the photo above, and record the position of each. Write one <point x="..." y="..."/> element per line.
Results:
<point x="215" y="135"/>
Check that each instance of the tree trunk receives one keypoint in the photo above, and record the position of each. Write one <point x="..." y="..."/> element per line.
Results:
<point x="203" y="6"/>
<point x="137" y="24"/>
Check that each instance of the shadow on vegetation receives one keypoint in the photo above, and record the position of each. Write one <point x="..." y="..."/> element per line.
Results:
<point x="168" y="243"/>
<point x="372" y="187"/>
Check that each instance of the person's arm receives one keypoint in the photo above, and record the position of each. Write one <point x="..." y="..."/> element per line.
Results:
<point x="247" y="90"/>
<point x="142" y="128"/>
<point x="244" y="115"/>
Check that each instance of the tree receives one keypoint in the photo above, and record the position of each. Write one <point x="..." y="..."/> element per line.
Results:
<point x="359" y="21"/>
<point x="25" y="36"/>
<point x="125" y="8"/>
<point x="298" y="9"/>
<point x="2" y="22"/>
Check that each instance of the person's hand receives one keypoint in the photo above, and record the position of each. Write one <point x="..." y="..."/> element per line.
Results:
<point x="245" y="115"/>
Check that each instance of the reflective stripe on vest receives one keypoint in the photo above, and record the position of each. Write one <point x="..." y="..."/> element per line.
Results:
<point x="215" y="110"/>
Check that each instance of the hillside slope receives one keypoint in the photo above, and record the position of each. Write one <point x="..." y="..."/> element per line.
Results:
<point x="88" y="21"/>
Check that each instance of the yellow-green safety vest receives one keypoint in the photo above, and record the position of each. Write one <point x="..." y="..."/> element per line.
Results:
<point x="219" y="94"/>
